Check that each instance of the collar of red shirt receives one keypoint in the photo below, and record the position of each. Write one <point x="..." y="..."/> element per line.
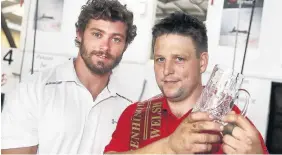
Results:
<point x="166" y="109"/>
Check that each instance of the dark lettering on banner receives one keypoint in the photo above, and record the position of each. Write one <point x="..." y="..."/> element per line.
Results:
<point x="136" y="126"/>
<point x="156" y="120"/>
<point x="146" y="122"/>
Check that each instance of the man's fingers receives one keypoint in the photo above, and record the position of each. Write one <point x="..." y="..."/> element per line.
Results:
<point x="205" y="138"/>
<point x="239" y="134"/>
<point x="231" y="113"/>
<point x="231" y="141"/>
<point x="227" y="149"/>
<point x="238" y="146"/>
<point x="199" y="148"/>
<point x="198" y="116"/>
<point x="205" y="125"/>
<point x="239" y="120"/>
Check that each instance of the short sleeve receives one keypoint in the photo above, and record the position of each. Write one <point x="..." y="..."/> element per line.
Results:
<point x="121" y="136"/>
<point x="19" y="122"/>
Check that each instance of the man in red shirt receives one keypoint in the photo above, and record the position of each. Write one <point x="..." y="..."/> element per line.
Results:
<point x="165" y="124"/>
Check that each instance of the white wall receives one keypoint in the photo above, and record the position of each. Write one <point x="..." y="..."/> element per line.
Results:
<point x="267" y="61"/>
<point x="263" y="62"/>
<point x="144" y="16"/>
<point x="59" y="46"/>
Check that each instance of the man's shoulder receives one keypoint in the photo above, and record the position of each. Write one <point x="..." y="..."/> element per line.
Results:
<point x="46" y="75"/>
<point x="157" y="98"/>
<point x="131" y="109"/>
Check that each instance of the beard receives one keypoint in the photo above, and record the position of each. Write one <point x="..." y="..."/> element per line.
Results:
<point x="100" y="68"/>
<point x="177" y="93"/>
<point x="174" y="96"/>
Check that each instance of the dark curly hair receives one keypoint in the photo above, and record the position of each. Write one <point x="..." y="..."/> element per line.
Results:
<point x="186" y="25"/>
<point x="111" y="10"/>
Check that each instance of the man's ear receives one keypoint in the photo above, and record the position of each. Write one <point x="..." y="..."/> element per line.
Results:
<point x="78" y="35"/>
<point x="204" y="59"/>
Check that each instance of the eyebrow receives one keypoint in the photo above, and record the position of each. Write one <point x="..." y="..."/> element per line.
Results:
<point x="115" y="34"/>
<point x="157" y="55"/>
<point x="183" y="55"/>
<point x="96" y="29"/>
<point x="174" y="55"/>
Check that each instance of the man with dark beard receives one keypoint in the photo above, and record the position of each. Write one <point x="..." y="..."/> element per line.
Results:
<point x="71" y="109"/>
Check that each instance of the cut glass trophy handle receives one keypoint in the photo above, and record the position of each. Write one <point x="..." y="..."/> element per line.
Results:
<point x="246" y="101"/>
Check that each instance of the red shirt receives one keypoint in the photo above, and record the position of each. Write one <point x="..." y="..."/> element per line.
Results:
<point x="120" y="141"/>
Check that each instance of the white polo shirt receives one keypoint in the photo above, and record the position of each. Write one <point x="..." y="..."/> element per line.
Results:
<point x="53" y="109"/>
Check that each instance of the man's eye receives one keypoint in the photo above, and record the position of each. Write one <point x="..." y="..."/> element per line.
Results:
<point x="179" y="59"/>
<point x="159" y="59"/>
<point x="97" y="34"/>
<point x="117" y="40"/>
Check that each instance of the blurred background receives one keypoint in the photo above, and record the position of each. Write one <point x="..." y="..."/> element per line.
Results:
<point x="243" y="34"/>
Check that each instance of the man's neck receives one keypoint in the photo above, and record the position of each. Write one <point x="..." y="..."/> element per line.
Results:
<point x="93" y="82"/>
<point x="182" y="107"/>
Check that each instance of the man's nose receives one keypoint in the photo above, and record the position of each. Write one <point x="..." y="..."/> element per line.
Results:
<point x="168" y="68"/>
<point x="105" y="44"/>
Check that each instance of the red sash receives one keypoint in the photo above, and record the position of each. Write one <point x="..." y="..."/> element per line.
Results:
<point x="146" y="121"/>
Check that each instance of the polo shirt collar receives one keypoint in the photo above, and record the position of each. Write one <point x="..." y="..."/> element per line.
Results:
<point x="66" y="72"/>
<point x="165" y="105"/>
<point x="166" y="108"/>
<point x="111" y="87"/>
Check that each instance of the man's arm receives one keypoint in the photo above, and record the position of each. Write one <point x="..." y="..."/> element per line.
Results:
<point x="23" y="150"/>
<point x="187" y="138"/>
<point x="157" y="147"/>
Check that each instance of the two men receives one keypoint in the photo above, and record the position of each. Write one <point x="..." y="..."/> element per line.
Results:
<point x="165" y="124"/>
<point x="69" y="109"/>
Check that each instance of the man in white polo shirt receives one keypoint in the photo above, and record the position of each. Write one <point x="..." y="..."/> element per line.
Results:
<point x="72" y="109"/>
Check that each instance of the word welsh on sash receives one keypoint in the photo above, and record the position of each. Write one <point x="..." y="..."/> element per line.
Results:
<point x="146" y="122"/>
